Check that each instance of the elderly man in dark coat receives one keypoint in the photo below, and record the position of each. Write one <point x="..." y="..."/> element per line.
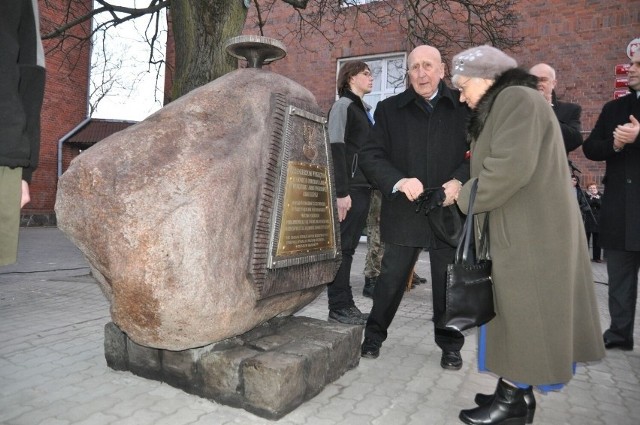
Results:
<point x="568" y="114"/>
<point x="418" y="141"/>
<point x="615" y="139"/>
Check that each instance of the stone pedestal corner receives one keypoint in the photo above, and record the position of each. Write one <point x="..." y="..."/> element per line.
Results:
<point x="268" y="371"/>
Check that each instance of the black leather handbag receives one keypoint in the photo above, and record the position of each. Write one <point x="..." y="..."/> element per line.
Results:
<point x="469" y="290"/>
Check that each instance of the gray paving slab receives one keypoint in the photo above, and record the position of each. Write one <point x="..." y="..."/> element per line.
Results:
<point x="53" y="371"/>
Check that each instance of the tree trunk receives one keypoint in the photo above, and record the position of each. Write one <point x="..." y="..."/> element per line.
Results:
<point x="200" y="29"/>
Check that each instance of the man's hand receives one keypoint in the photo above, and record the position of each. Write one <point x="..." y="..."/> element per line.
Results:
<point x="344" y="205"/>
<point x="627" y="133"/>
<point x="25" y="194"/>
<point x="451" y="191"/>
<point x="412" y="188"/>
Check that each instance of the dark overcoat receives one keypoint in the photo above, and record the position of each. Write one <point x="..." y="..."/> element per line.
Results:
<point x="546" y="311"/>
<point x="408" y="141"/>
<point x="568" y="115"/>
<point x="620" y="212"/>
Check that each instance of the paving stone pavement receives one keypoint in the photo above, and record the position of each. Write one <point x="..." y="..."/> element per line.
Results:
<point x="53" y="371"/>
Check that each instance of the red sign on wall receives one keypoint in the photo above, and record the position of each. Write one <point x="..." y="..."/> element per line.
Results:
<point x="632" y="47"/>
<point x="620" y="92"/>
<point x="622" y="69"/>
<point x="622" y="82"/>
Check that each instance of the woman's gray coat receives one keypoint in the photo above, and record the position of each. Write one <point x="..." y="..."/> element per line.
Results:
<point x="547" y="316"/>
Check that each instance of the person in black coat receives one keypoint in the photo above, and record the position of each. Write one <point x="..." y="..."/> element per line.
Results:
<point x="615" y="139"/>
<point x="348" y="127"/>
<point x="568" y="114"/>
<point x="21" y="94"/>
<point x="591" y="220"/>
<point x="418" y="141"/>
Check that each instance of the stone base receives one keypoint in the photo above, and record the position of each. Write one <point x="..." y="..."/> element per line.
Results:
<point x="268" y="371"/>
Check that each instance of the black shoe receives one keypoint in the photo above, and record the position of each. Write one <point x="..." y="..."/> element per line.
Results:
<point x="348" y="316"/>
<point x="370" y="349"/>
<point x="529" y="399"/>
<point x="623" y="345"/>
<point x="369" y="285"/>
<point x="451" y="360"/>
<point x="508" y="406"/>
<point x="417" y="280"/>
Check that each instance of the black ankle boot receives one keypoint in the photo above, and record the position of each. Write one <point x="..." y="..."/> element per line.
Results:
<point x="369" y="285"/>
<point x="507" y="408"/>
<point x="529" y="399"/>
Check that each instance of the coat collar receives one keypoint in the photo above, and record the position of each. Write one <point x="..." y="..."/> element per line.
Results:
<point x="356" y="99"/>
<point x="509" y="78"/>
<point x="410" y="96"/>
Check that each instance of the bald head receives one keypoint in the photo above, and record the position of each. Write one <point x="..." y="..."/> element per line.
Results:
<point x="424" y="51"/>
<point x="425" y="70"/>
<point x="546" y="79"/>
<point x="543" y="69"/>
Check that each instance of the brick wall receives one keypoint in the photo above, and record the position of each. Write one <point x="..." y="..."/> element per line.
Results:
<point x="583" y="41"/>
<point x="65" y="106"/>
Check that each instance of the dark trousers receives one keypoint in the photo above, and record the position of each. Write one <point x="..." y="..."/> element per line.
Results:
<point x="595" y="244"/>
<point x="623" y="268"/>
<point x="397" y="265"/>
<point x="339" y="291"/>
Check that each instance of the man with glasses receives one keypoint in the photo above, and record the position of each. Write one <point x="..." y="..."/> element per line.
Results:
<point x="348" y="128"/>
<point x="418" y="142"/>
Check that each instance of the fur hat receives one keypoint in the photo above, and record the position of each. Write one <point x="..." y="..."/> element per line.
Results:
<point x="482" y="61"/>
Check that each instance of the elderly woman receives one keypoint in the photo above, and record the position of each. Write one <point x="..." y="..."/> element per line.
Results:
<point x="546" y="313"/>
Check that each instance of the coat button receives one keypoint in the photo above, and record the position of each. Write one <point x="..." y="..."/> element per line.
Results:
<point x="629" y="181"/>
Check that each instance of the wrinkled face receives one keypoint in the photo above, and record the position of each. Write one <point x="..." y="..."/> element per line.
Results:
<point x="362" y="82"/>
<point x="472" y="89"/>
<point x="546" y="79"/>
<point x="425" y="70"/>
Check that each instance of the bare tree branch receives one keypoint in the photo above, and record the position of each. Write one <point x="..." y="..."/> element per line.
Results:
<point x="449" y="25"/>
<point x="128" y="12"/>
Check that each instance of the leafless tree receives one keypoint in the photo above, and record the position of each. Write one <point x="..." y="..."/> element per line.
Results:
<point x="200" y="27"/>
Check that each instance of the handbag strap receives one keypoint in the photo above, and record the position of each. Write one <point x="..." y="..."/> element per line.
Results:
<point x="483" y="253"/>
<point x="464" y="253"/>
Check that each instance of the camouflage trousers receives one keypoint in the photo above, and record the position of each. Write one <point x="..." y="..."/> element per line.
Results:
<point x="375" y="248"/>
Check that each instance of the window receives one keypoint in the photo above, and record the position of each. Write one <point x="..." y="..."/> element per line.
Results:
<point x="388" y="75"/>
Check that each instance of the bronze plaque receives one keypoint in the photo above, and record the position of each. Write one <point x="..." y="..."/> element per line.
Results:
<point x="307" y="222"/>
<point x="303" y="228"/>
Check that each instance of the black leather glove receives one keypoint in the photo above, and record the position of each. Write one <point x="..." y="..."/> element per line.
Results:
<point x="429" y="199"/>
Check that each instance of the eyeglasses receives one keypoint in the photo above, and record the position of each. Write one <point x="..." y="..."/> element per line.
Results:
<point x="462" y="86"/>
